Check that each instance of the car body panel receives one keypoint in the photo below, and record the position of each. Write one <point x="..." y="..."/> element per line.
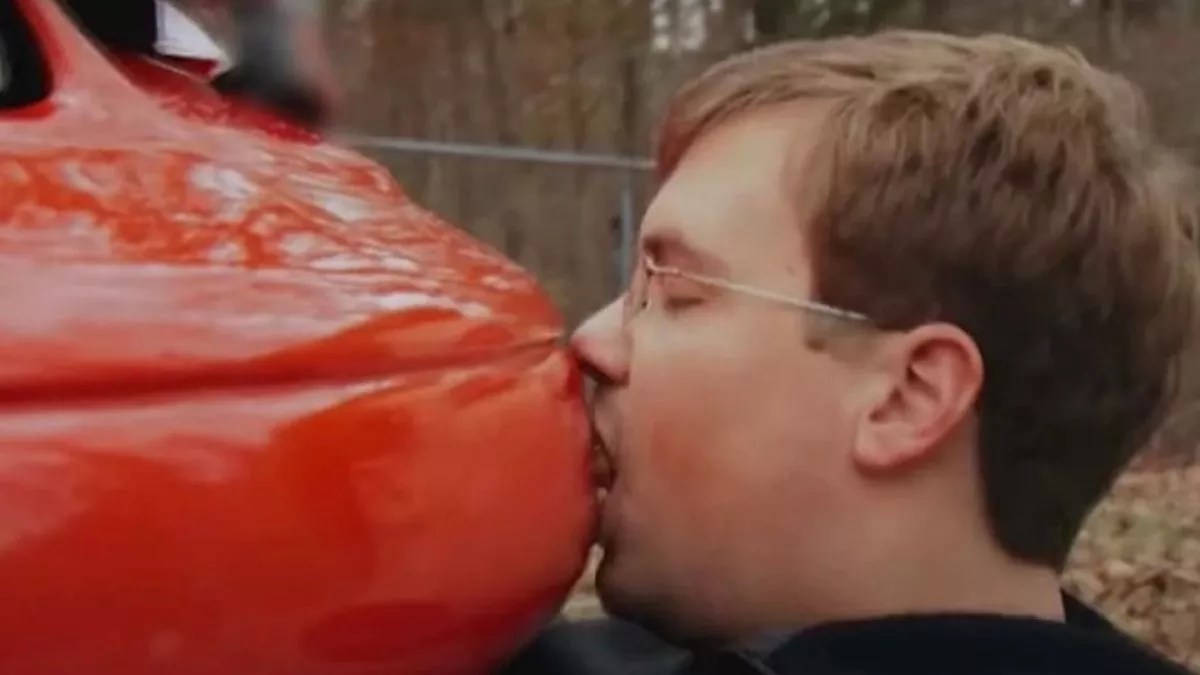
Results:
<point x="260" y="412"/>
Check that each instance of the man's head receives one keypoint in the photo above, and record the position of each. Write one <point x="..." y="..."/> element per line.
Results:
<point x="1016" y="239"/>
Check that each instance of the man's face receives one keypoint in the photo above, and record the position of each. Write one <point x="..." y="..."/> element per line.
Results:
<point x="726" y="432"/>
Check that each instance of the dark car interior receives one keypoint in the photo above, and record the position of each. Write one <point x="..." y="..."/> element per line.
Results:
<point x="24" y="79"/>
<point x="128" y="25"/>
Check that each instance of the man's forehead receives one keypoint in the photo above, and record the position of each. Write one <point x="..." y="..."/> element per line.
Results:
<point x="727" y="203"/>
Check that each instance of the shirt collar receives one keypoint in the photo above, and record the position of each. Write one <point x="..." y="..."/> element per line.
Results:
<point x="936" y="644"/>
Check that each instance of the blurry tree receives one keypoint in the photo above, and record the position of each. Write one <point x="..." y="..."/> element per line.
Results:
<point x="1110" y="24"/>
<point x="775" y="19"/>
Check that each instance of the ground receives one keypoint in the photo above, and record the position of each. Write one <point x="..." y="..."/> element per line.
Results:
<point x="1138" y="561"/>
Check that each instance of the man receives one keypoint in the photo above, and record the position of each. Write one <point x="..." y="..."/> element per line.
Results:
<point x="905" y="305"/>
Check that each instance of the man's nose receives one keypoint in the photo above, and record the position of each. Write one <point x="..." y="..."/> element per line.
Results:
<point x="602" y="346"/>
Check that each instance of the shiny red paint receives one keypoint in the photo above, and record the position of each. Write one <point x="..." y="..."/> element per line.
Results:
<point x="260" y="413"/>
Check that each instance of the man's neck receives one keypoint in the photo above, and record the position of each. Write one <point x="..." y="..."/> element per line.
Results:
<point x="907" y="576"/>
<point x="931" y="550"/>
<point x="964" y="579"/>
<point x="1015" y="589"/>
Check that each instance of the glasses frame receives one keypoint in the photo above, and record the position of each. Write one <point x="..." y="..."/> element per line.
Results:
<point x="653" y="269"/>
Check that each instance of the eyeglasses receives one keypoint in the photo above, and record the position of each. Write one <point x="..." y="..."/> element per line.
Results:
<point x="639" y="298"/>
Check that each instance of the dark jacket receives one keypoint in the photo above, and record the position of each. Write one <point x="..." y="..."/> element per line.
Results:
<point x="1086" y="644"/>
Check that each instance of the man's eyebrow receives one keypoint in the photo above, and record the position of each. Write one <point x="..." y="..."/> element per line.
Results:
<point x="670" y="247"/>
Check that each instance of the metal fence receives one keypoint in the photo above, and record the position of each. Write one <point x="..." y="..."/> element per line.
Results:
<point x="583" y="265"/>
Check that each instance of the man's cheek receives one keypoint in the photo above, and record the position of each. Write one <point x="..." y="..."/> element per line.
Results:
<point x="676" y="431"/>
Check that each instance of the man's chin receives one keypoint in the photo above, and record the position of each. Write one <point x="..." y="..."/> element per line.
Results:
<point x="613" y="590"/>
<point x="623" y="598"/>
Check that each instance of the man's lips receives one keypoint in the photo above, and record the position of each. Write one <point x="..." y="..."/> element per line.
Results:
<point x="602" y="466"/>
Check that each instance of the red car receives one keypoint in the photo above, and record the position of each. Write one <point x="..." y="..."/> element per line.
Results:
<point x="259" y="412"/>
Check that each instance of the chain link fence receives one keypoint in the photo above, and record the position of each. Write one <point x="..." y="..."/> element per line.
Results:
<point x="570" y="218"/>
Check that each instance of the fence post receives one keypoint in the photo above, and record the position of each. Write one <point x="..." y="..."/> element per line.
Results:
<point x="628" y="226"/>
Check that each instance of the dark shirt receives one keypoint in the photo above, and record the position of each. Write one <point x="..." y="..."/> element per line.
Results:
<point x="949" y="644"/>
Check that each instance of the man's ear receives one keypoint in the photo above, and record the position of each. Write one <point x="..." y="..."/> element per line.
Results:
<point x="929" y="380"/>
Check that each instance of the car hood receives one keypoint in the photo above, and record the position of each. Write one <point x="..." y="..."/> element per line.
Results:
<point x="149" y="241"/>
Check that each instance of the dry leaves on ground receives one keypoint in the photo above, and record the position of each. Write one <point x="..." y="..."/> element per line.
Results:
<point x="1138" y="560"/>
